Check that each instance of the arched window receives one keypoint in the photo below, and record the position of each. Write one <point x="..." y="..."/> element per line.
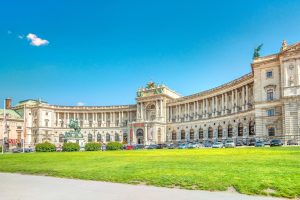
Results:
<point x="99" y="139"/>
<point x="61" y="138"/>
<point x="271" y="131"/>
<point x="182" y="134"/>
<point x="230" y="131"/>
<point x="210" y="133"/>
<point x="251" y="128"/>
<point x="174" y="135"/>
<point x="201" y="134"/>
<point x="117" y="137"/>
<point x="220" y="132"/>
<point x="107" y="137"/>
<point x="90" y="137"/>
<point x="270" y="95"/>
<point x="125" y="138"/>
<point x="159" y="136"/>
<point x="192" y="134"/>
<point x="240" y="129"/>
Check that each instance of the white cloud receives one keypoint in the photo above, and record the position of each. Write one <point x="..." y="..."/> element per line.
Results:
<point x="21" y="36"/>
<point x="36" y="41"/>
<point x="80" y="103"/>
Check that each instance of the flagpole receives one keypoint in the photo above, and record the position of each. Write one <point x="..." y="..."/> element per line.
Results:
<point x="24" y="129"/>
<point x="4" y="127"/>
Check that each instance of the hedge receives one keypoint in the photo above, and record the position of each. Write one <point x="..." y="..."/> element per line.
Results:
<point x="114" y="146"/>
<point x="92" y="146"/>
<point x="45" y="147"/>
<point x="70" y="147"/>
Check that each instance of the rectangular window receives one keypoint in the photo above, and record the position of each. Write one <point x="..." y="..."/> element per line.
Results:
<point x="271" y="112"/>
<point x="269" y="74"/>
<point x="270" y="95"/>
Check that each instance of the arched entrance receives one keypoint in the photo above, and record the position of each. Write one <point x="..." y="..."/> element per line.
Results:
<point x="210" y="133"/>
<point x="159" y="136"/>
<point x="251" y="129"/>
<point x="174" y="137"/>
<point x="192" y="134"/>
<point x="182" y="135"/>
<point x="229" y="131"/>
<point x="240" y="130"/>
<point x="140" y="136"/>
<point x="220" y="132"/>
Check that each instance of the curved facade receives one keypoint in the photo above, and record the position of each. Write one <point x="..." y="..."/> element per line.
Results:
<point x="263" y="104"/>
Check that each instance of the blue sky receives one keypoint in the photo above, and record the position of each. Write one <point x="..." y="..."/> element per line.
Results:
<point x="101" y="52"/>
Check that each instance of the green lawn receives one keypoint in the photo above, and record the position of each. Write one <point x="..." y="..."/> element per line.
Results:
<point x="248" y="170"/>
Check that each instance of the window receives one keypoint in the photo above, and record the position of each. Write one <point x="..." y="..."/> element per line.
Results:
<point x="271" y="131"/>
<point x="117" y="137"/>
<point x="90" y="137"/>
<point x="174" y="135"/>
<point x="99" y="139"/>
<point x="271" y="112"/>
<point x="270" y="96"/>
<point x="240" y="129"/>
<point x="61" y="138"/>
<point x="201" y="133"/>
<point x="220" y="131"/>
<point x="192" y="134"/>
<point x="182" y="135"/>
<point x="210" y="133"/>
<point x="269" y="74"/>
<point x="107" y="137"/>
<point x="229" y="131"/>
<point x="46" y="122"/>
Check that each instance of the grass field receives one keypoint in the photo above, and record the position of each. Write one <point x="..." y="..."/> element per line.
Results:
<point x="248" y="170"/>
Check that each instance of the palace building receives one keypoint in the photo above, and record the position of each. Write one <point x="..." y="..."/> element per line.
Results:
<point x="263" y="104"/>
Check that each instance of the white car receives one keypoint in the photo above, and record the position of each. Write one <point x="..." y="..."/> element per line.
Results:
<point x="229" y="143"/>
<point x="217" y="145"/>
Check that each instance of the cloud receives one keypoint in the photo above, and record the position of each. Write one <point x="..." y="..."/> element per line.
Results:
<point x="36" y="41"/>
<point x="9" y="32"/>
<point x="80" y="103"/>
<point x="21" y="36"/>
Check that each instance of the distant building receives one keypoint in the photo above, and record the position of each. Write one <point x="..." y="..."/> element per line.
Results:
<point x="263" y="104"/>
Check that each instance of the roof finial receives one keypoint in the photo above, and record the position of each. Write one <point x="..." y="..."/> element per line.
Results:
<point x="283" y="45"/>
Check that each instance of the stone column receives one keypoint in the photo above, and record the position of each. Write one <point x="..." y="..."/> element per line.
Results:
<point x="222" y="104"/>
<point x="146" y="134"/>
<point x="246" y="100"/>
<point x="226" y="102"/>
<point x="217" y="105"/>
<point x="243" y="98"/>
<point x="206" y="107"/>
<point x="232" y="101"/>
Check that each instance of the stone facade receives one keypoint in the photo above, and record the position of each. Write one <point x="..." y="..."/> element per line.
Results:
<point x="263" y="104"/>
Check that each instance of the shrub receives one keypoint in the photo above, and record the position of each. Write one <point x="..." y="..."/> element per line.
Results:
<point x="114" y="146"/>
<point x="70" y="147"/>
<point x="92" y="146"/>
<point x="0" y="148"/>
<point x="45" y="147"/>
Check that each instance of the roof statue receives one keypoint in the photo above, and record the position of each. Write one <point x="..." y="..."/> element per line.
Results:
<point x="283" y="45"/>
<point x="150" y="85"/>
<point x="256" y="51"/>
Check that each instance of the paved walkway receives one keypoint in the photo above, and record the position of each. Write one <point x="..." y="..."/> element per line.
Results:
<point x="28" y="187"/>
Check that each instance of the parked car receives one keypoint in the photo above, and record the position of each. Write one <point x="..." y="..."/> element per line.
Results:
<point x="276" y="142"/>
<point x="129" y="147"/>
<point x="17" y="150"/>
<point x="20" y="150"/>
<point x="229" y="143"/>
<point x="207" y="144"/>
<point x="193" y="145"/>
<point x="259" y="144"/>
<point x="138" y="146"/>
<point x="171" y="146"/>
<point x="239" y="143"/>
<point x="267" y="143"/>
<point x="182" y="146"/>
<point x="161" y="146"/>
<point x="218" y="145"/>
<point x="252" y="142"/>
<point x="151" y="146"/>
<point x="292" y="142"/>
